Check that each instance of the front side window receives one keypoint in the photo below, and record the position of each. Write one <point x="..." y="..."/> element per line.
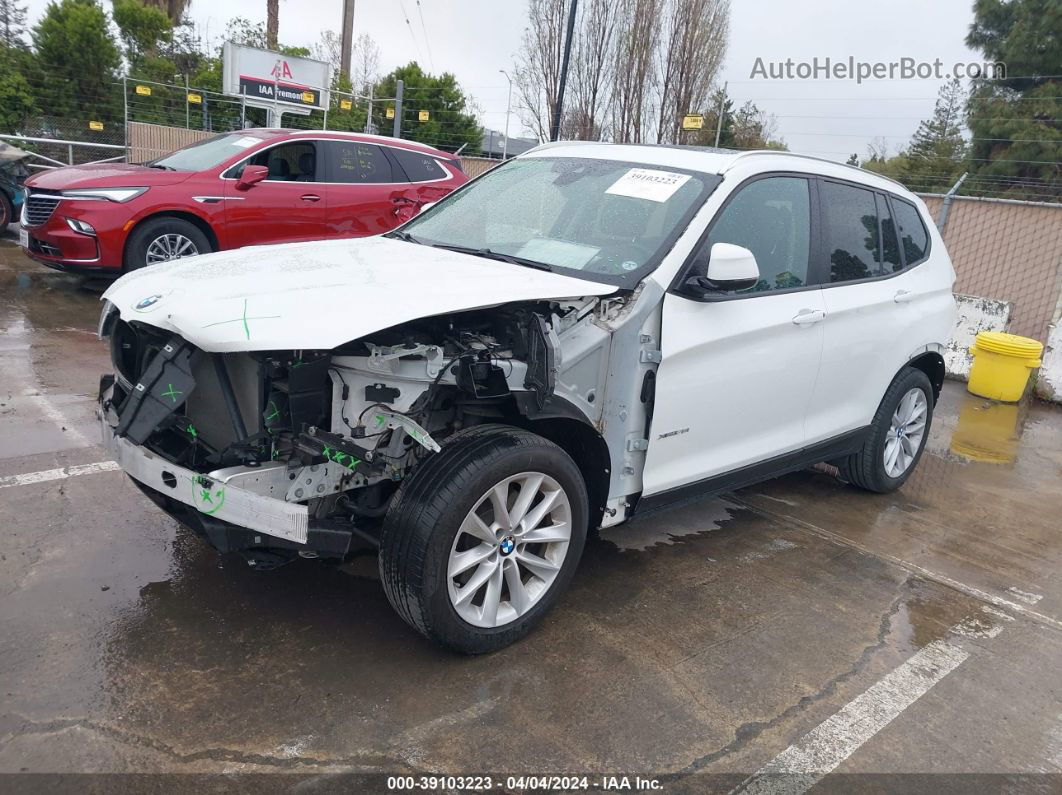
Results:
<point x="290" y="162"/>
<point x="353" y="161"/>
<point x="851" y="238"/>
<point x="603" y="220"/>
<point x="770" y="217"/>
<point x="913" y="235"/>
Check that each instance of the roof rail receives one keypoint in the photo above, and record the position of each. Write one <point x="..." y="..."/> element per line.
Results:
<point x="817" y="159"/>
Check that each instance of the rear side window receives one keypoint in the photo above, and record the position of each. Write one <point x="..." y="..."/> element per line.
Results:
<point x="851" y="237"/>
<point x="419" y="167"/>
<point x="913" y="235"/>
<point x="355" y="162"/>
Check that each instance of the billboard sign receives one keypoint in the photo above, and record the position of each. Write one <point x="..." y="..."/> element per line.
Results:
<point x="256" y="73"/>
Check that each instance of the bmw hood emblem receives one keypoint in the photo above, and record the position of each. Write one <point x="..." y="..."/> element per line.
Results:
<point x="147" y="303"/>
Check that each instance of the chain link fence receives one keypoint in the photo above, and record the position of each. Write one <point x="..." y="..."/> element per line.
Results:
<point x="1009" y="251"/>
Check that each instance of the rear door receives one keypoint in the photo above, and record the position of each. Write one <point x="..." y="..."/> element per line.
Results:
<point x="429" y="177"/>
<point x="361" y="183"/>
<point x="291" y="204"/>
<point x="872" y="305"/>
<point x="738" y="371"/>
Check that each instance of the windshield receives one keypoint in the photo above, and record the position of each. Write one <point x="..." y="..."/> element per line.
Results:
<point x="207" y="153"/>
<point x="605" y="220"/>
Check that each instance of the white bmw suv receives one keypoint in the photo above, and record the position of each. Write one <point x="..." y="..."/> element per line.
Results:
<point x="582" y="333"/>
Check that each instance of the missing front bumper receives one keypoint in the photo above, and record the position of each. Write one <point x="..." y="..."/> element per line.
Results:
<point x="208" y="495"/>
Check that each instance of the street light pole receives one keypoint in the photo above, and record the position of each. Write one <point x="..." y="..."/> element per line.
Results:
<point x="508" y="108"/>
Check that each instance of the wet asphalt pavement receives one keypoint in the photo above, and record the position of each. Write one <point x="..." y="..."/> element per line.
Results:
<point x="793" y="626"/>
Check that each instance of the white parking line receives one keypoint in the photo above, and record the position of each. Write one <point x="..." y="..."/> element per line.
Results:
<point x="800" y="766"/>
<point x="57" y="474"/>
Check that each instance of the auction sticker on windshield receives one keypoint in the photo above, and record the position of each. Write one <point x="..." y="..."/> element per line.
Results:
<point x="244" y="142"/>
<point x="648" y="183"/>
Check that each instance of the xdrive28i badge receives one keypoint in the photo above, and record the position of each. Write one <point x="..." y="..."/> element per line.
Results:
<point x="146" y="304"/>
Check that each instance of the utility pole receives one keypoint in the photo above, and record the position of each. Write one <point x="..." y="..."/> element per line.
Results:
<point x="719" y="114"/>
<point x="368" y="115"/>
<point x="508" y="108"/>
<point x="558" y="109"/>
<point x="399" y="88"/>
<point x="347" y="38"/>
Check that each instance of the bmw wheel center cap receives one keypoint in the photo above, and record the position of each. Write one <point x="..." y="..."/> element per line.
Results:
<point x="507" y="545"/>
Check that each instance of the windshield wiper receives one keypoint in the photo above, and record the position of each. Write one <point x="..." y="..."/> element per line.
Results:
<point x="487" y="253"/>
<point x="164" y="168"/>
<point x="405" y="236"/>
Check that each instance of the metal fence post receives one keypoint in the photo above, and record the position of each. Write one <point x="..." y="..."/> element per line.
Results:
<point x="324" y="124"/>
<point x="187" y="108"/>
<point x="125" y="115"/>
<point x="70" y="154"/>
<point x="368" y="115"/>
<point x="397" y="130"/>
<point x="944" y="205"/>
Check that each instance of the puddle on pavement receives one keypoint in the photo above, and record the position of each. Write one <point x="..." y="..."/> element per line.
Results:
<point x="640" y="535"/>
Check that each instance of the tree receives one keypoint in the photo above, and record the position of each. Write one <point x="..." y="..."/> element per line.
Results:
<point x="591" y="71"/>
<point x="537" y="70"/>
<point x="12" y="24"/>
<point x="853" y="160"/>
<point x="451" y="122"/>
<point x="635" y="82"/>
<point x="1017" y="135"/>
<point x="272" y="23"/>
<point x="174" y="9"/>
<point x="142" y="29"/>
<point x="746" y="128"/>
<point x="937" y="154"/>
<point x="16" y="96"/>
<point x="79" y="59"/>
<point x="691" y="56"/>
<point x="880" y="161"/>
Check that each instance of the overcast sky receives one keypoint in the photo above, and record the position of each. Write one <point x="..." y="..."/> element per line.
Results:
<point x="831" y="118"/>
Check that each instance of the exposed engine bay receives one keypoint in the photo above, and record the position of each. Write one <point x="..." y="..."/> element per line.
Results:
<point x="339" y="431"/>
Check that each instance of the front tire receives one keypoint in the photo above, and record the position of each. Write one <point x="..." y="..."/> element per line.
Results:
<point x="483" y="538"/>
<point x="7" y="213"/>
<point x="897" y="437"/>
<point x="162" y="239"/>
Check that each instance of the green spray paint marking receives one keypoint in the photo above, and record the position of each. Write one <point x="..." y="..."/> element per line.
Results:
<point x="207" y="498"/>
<point x="341" y="458"/>
<point x="192" y="431"/>
<point x="172" y="393"/>
<point x="243" y="318"/>
<point x="274" y="414"/>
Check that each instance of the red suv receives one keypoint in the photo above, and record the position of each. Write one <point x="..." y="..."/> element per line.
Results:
<point x="232" y="190"/>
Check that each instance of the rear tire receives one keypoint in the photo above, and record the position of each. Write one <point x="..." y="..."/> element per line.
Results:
<point x="162" y="239"/>
<point x="897" y="436"/>
<point x="447" y="515"/>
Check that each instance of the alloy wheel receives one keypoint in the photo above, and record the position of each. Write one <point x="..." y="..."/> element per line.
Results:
<point x="170" y="246"/>
<point x="904" y="437"/>
<point x="509" y="549"/>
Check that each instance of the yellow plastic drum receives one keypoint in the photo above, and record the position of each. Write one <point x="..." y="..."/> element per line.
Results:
<point x="1001" y="366"/>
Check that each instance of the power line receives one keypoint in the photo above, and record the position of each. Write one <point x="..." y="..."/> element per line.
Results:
<point x="427" y="42"/>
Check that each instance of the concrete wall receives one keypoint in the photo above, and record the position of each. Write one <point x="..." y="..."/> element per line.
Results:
<point x="1049" y="384"/>
<point x="975" y="315"/>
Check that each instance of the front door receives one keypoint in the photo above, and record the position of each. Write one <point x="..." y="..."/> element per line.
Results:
<point x="290" y="205"/>
<point x="737" y="373"/>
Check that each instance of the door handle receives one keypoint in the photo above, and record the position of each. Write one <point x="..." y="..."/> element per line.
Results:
<point x="903" y="296"/>
<point x="310" y="197"/>
<point x="805" y="317"/>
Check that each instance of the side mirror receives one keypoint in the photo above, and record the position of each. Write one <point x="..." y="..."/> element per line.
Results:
<point x="730" y="268"/>
<point x="251" y="176"/>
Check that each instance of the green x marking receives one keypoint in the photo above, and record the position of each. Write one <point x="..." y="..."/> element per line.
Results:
<point x="172" y="393"/>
